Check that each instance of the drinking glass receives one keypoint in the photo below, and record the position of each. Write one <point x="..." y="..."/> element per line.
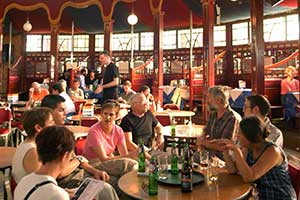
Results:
<point x="204" y="159"/>
<point x="163" y="163"/>
<point x="212" y="171"/>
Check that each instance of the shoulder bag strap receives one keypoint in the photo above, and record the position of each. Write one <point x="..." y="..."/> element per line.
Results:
<point x="35" y="188"/>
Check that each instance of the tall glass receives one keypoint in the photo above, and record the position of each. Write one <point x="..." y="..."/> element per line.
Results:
<point x="163" y="163"/>
<point x="204" y="159"/>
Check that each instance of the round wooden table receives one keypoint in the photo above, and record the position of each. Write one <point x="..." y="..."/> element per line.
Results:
<point x="21" y="109"/>
<point x="184" y="131"/>
<point x="184" y="134"/>
<point x="176" y="113"/>
<point x="228" y="187"/>
<point x="79" y="131"/>
<point x="80" y="117"/>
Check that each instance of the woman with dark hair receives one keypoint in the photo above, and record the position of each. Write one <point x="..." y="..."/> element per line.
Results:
<point x="258" y="160"/>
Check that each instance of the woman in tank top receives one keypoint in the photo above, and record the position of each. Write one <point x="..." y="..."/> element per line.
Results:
<point x="258" y="160"/>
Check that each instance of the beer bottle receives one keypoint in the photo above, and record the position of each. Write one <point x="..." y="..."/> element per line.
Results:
<point x="187" y="172"/>
<point x="141" y="157"/>
<point x="153" y="177"/>
<point x="173" y="127"/>
<point x="174" y="160"/>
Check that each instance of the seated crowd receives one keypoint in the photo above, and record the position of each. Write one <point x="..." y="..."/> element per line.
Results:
<point x="251" y="147"/>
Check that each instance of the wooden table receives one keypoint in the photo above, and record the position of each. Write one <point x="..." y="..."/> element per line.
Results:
<point x="185" y="131"/>
<point x="176" y="113"/>
<point x="228" y="187"/>
<point x="80" y="117"/>
<point x="79" y="131"/>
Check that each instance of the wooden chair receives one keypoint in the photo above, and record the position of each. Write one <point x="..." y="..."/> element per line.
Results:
<point x="80" y="143"/>
<point x="5" y="124"/>
<point x="6" y="156"/>
<point x="164" y="120"/>
<point x="171" y="106"/>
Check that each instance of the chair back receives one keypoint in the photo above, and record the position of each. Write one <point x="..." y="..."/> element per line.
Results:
<point x="88" y="122"/>
<point x="171" y="106"/>
<point x="80" y="143"/>
<point x="294" y="172"/>
<point x="5" y="115"/>
<point x="164" y="120"/>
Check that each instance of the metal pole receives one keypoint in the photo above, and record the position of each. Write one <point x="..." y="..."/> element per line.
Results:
<point x="132" y="47"/>
<point x="72" y="44"/>
<point x="10" y="45"/>
<point x="191" y="40"/>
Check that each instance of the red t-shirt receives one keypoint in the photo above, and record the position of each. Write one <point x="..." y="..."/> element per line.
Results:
<point x="289" y="86"/>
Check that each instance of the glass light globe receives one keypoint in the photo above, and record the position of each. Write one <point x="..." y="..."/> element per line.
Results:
<point x="132" y="19"/>
<point x="27" y="26"/>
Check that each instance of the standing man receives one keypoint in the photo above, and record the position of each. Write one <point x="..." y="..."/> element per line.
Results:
<point x="110" y="79"/>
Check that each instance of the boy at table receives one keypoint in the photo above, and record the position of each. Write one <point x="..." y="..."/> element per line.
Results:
<point x="58" y="106"/>
<point x="140" y="123"/>
<point x="26" y="161"/>
<point x="103" y="139"/>
<point x="223" y="122"/>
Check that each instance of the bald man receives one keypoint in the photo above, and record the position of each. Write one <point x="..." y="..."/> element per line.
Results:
<point x="140" y="123"/>
<point x="36" y="93"/>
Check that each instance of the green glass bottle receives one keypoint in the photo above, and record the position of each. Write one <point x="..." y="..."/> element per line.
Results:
<point x="174" y="160"/>
<point x="173" y="127"/>
<point x="141" y="157"/>
<point x="153" y="177"/>
<point x="187" y="172"/>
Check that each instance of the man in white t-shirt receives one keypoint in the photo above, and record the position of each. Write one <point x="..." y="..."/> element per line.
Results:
<point x="60" y="89"/>
<point x="55" y="146"/>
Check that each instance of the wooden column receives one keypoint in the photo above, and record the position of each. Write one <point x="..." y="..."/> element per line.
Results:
<point x="208" y="49"/>
<point x="108" y="30"/>
<point x="208" y="42"/>
<point x="91" y="63"/>
<point x="257" y="46"/>
<point x="1" y="43"/>
<point x="229" y="55"/>
<point x="158" y="55"/>
<point x="54" y="53"/>
<point x="299" y="41"/>
<point x="2" y="70"/>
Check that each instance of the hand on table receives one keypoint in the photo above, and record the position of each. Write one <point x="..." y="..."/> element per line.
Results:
<point x="102" y="175"/>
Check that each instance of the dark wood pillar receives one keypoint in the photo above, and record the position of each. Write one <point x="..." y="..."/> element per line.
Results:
<point x="3" y="81"/>
<point x="208" y="42"/>
<point x="208" y="49"/>
<point x="229" y="55"/>
<point x="91" y="63"/>
<point x="1" y="43"/>
<point x="108" y="30"/>
<point x="54" y="53"/>
<point x="158" y="56"/>
<point x="299" y="42"/>
<point x="257" y="46"/>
